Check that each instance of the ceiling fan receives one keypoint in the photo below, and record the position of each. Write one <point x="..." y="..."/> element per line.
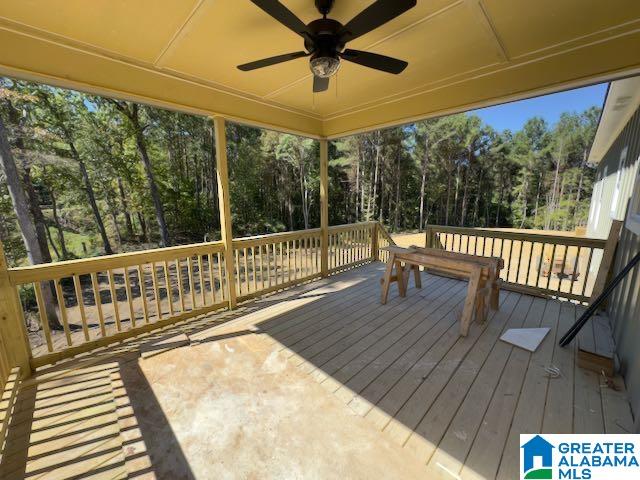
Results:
<point x="325" y="38"/>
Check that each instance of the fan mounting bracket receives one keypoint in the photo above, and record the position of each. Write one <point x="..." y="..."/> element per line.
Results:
<point x="324" y="6"/>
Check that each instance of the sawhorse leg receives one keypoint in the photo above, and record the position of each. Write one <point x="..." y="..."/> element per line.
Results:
<point x="386" y="280"/>
<point x="470" y="302"/>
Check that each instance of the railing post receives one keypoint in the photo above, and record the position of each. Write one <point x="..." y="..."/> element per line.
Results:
<point x="324" y="207"/>
<point x="428" y="239"/>
<point x="13" y="334"/>
<point x="375" y="247"/>
<point x="225" y="206"/>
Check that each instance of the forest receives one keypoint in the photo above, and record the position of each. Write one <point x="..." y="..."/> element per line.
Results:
<point x="84" y="175"/>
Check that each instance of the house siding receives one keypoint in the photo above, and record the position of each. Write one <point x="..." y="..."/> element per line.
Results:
<point x="624" y="304"/>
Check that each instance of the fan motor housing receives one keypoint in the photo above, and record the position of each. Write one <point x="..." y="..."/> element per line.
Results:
<point x="326" y="42"/>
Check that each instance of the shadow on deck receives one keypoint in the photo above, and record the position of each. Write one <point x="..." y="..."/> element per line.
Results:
<point x="450" y="406"/>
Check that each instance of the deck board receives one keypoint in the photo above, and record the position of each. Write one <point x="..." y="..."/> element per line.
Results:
<point x="455" y="403"/>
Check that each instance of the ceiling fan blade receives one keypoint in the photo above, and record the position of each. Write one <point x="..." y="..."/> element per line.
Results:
<point x="375" y="15"/>
<point x="265" y="62"/>
<point x="320" y="84"/>
<point x="373" y="60"/>
<point x="283" y="15"/>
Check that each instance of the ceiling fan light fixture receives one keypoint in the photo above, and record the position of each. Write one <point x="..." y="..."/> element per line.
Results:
<point x="324" y="67"/>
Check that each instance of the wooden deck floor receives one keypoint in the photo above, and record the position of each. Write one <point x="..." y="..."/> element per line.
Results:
<point x="457" y="404"/>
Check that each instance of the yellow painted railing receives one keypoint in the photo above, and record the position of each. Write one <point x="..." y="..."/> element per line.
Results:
<point x="384" y="240"/>
<point x="98" y="301"/>
<point x="351" y="245"/>
<point x="563" y="266"/>
<point x="266" y="263"/>
<point x="105" y="299"/>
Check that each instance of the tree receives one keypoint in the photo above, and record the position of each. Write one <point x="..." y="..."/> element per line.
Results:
<point x="27" y="227"/>
<point x="131" y="111"/>
<point x="59" y="113"/>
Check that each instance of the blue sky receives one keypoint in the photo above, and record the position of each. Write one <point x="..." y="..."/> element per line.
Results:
<point x="513" y="115"/>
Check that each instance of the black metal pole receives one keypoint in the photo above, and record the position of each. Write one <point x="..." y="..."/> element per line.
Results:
<point x="588" y="313"/>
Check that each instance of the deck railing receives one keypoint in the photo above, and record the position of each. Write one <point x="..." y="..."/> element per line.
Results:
<point x="384" y="240"/>
<point x="562" y="266"/>
<point x="266" y="263"/>
<point x="351" y="245"/>
<point x="103" y="300"/>
<point x="106" y="299"/>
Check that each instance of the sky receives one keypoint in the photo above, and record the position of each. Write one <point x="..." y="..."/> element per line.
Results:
<point x="513" y="115"/>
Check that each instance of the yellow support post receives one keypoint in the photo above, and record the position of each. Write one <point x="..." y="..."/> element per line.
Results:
<point x="13" y="333"/>
<point x="324" y="207"/>
<point x="225" y="207"/>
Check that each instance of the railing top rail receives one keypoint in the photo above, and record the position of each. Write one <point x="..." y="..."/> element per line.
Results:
<point x="351" y="226"/>
<point x="528" y="237"/>
<point x="50" y="271"/>
<point x="385" y="234"/>
<point x="274" y="237"/>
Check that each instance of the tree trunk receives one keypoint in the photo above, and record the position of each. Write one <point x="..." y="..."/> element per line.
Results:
<point x="579" y="192"/>
<point x="465" y="197"/>
<point x="59" y="229"/>
<point x="535" y="211"/>
<point x="27" y="228"/>
<point x="94" y="207"/>
<point x="144" y="237"/>
<point x="476" y="202"/>
<point x="91" y="196"/>
<point x="304" y="192"/>
<point x="381" y="198"/>
<point x="423" y="183"/>
<point x="552" y="203"/>
<point x="53" y="245"/>
<point x="357" y="192"/>
<point x="446" y="212"/>
<point x="36" y="214"/>
<point x="153" y="189"/>
<point x="373" y="197"/>
<point x="125" y="209"/>
<point x="396" y="220"/>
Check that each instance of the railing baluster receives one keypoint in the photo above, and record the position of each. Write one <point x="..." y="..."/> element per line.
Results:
<point x="586" y="272"/>
<point x="553" y="258"/>
<point x="80" y="299"/>
<point x="543" y="245"/>
<point x="281" y="264"/>
<point x="526" y="280"/>
<point x="42" y="312"/>
<point x="63" y="311"/>
<point x="575" y="269"/>
<point x="253" y="267"/>
<point x="168" y="286"/>
<point x="519" y="260"/>
<point x="223" y="295"/>
<point x="143" y="292"/>
<point x="127" y="287"/>
<point x="95" y="285"/>
<point x="180" y="285"/>
<point x="211" y="280"/>
<point x="114" y="300"/>
<point x="236" y="266"/>
<point x="201" y="279"/>
<point x="561" y="276"/>
<point x="509" y="260"/>
<point x="261" y="268"/>
<point x="156" y="291"/>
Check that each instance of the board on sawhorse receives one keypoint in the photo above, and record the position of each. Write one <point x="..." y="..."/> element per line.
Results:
<point x="491" y="267"/>
<point x="477" y="272"/>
